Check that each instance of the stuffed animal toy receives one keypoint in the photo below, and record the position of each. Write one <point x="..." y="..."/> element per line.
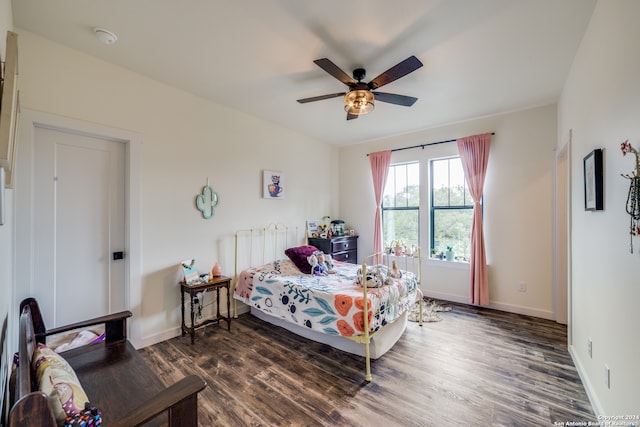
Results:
<point x="395" y="271"/>
<point x="373" y="278"/>
<point x="321" y="264"/>
<point x="326" y="260"/>
<point x="317" y="268"/>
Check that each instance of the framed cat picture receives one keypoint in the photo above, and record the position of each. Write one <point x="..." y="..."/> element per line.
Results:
<point x="272" y="185"/>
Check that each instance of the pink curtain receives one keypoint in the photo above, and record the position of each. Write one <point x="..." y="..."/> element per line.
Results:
<point x="379" y="169"/>
<point x="474" y="153"/>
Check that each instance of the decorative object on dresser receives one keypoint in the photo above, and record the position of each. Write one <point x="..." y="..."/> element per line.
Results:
<point x="312" y="228"/>
<point x="337" y="227"/>
<point x="342" y="248"/>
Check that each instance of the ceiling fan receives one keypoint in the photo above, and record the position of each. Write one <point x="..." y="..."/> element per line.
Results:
<point x="360" y="97"/>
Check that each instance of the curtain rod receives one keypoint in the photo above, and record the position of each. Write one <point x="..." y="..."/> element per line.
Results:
<point x="424" y="145"/>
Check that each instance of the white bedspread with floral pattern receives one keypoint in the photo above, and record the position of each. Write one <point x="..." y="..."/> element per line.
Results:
<point x="332" y="304"/>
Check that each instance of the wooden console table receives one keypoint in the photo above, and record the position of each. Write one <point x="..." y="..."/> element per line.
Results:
<point x="193" y="290"/>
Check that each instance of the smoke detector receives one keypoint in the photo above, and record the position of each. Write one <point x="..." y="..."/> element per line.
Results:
<point x="105" y="36"/>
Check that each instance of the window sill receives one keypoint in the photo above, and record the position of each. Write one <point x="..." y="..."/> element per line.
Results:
<point x="458" y="265"/>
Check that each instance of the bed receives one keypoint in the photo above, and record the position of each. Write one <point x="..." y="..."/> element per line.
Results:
<point x="332" y="307"/>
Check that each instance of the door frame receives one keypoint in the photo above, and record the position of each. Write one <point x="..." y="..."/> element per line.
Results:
<point x="24" y="203"/>
<point x="562" y="232"/>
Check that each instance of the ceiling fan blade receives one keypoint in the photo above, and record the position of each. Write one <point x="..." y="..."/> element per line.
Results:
<point x="393" y="98"/>
<point x="394" y="73"/>
<point x="351" y="116"/>
<point x="321" y="97"/>
<point x="335" y="71"/>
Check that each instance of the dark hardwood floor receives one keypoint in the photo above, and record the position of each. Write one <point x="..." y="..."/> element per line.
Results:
<point x="477" y="367"/>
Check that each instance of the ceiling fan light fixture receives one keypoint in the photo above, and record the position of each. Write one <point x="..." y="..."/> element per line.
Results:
<point x="358" y="102"/>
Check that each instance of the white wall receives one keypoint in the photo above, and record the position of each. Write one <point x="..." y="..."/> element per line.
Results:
<point x="6" y="234"/>
<point x="518" y="206"/>
<point x="186" y="140"/>
<point x="5" y="230"/>
<point x="601" y="104"/>
<point x="6" y="23"/>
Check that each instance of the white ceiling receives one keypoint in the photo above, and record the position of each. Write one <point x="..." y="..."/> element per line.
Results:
<point x="480" y="57"/>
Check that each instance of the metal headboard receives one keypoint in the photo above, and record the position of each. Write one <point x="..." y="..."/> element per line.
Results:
<point x="259" y="245"/>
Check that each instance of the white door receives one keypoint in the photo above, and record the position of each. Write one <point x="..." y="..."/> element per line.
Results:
<point x="79" y="224"/>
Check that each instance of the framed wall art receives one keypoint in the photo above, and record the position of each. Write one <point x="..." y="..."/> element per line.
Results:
<point x="9" y="109"/>
<point x="312" y="228"/>
<point x="190" y="271"/>
<point x="272" y="185"/>
<point x="593" y="181"/>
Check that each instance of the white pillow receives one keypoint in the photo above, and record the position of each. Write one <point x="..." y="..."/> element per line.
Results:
<point x="83" y="337"/>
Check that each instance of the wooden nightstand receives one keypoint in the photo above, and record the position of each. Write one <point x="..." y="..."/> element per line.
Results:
<point x="193" y="290"/>
<point x="341" y="248"/>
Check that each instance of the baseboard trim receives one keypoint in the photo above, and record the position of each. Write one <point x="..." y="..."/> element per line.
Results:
<point x="527" y="311"/>
<point x="177" y="331"/>
<point x="244" y="309"/>
<point x="159" y="337"/>
<point x="445" y="296"/>
<point x="591" y="394"/>
<point x="509" y="308"/>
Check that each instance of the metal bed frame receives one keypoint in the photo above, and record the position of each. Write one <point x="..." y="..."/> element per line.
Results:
<point x="269" y="235"/>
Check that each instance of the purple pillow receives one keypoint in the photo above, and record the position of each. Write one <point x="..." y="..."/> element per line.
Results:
<point x="299" y="254"/>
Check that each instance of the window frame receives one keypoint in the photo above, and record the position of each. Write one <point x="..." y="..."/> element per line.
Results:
<point x="416" y="208"/>
<point x="433" y="208"/>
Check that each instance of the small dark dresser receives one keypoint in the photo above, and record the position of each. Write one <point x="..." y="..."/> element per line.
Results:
<point x="341" y="248"/>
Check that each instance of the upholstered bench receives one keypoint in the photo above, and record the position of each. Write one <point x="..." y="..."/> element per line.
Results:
<point x="111" y="373"/>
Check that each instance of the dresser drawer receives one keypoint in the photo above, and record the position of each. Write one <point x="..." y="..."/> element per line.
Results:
<point x="347" y="256"/>
<point x="343" y="245"/>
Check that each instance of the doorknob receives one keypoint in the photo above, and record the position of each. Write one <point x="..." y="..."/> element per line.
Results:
<point x="118" y="255"/>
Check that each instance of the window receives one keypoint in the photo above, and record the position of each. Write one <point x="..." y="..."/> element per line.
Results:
<point x="451" y="209"/>
<point x="401" y="205"/>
